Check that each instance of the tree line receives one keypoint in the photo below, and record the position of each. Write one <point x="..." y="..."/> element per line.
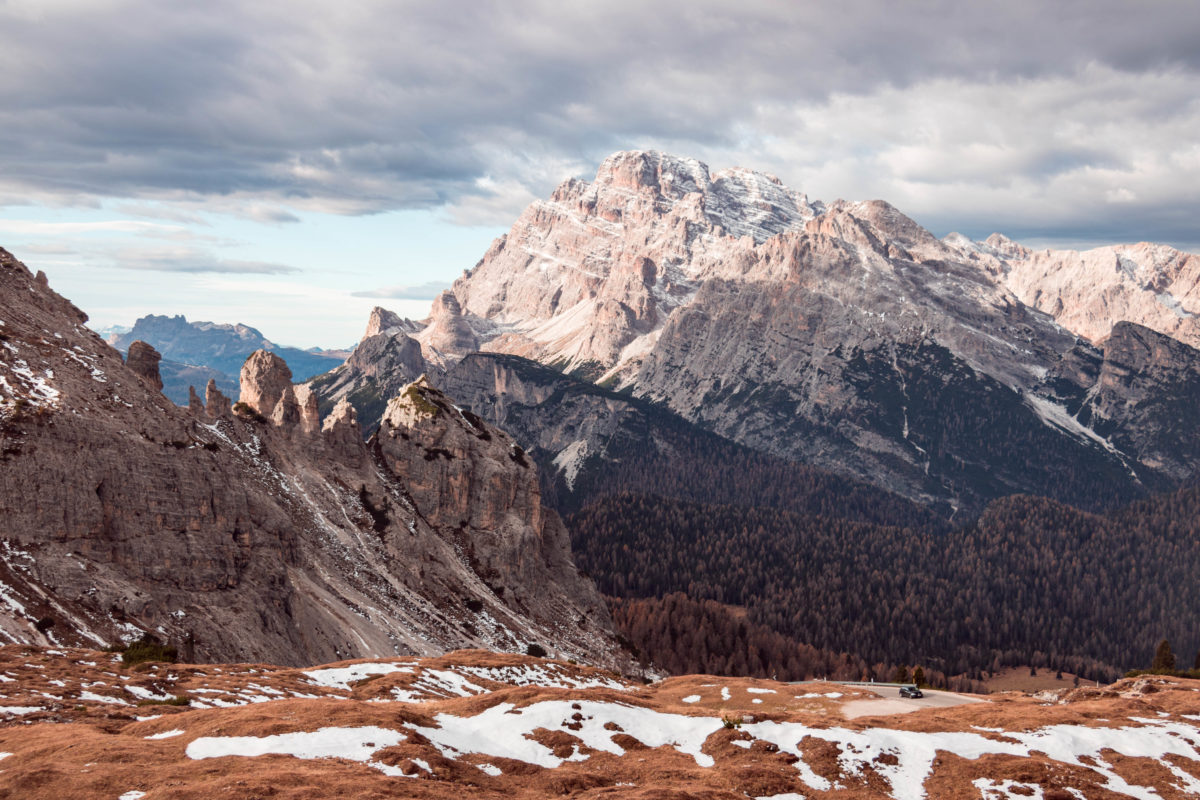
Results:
<point x="1032" y="581"/>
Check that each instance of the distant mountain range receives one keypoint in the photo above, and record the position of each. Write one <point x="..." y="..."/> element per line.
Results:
<point x="194" y="352"/>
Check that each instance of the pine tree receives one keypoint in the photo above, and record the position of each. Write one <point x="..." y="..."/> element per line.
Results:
<point x="901" y="675"/>
<point x="919" y="676"/>
<point x="1164" y="659"/>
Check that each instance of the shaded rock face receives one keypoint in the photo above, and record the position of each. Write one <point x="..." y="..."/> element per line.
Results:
<point x="245" y="537"/>
<point x="215" y="403"/>
<point x="1146" y="398"/>
<point x="143" y="360"/>
<point x="464" y="475"/>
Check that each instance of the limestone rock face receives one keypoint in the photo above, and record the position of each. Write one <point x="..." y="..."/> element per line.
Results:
<point x="589" y="277"/>
<point x="143" y="360"/>
<point x="195" y="403"/>
<point x="306" y="399"/>
<point x="448" y="334"/>
<point x="216" y="405"/>
<point x="843" y="335"/>
<point x="343" y="434"/>
<point x="245" y="538"/>
<point x="265" y="377"/>
<point x="464" y="475"/>
<point x="1088" y="292"/>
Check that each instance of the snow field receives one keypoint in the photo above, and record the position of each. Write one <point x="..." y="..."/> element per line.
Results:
<point x="503" y="731"/>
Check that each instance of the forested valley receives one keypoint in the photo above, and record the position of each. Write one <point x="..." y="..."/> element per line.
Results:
<point x="1032" y="581"/>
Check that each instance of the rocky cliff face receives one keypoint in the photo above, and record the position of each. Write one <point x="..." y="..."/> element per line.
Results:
<point x="250" y="532"/>
<point x="1088" y="292"/>
<point x="841" y="335"/>
<point x="384" y="362"/>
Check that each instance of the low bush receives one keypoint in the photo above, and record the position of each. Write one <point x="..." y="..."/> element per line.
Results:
<point x="148" y="648"/>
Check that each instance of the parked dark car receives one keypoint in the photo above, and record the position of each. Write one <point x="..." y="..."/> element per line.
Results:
<point x="911" y="691"/>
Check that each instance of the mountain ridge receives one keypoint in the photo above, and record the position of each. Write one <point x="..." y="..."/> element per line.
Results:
<point x="247" y="530"/>
<point x="817" y="332"/>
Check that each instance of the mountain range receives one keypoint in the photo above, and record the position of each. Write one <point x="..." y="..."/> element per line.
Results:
<point x="660" y="344"/>
<point x="840" y="335"/>
<point x="195" y="352"/>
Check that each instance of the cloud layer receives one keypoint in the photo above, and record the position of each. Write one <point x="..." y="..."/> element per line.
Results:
<point x="1070" y="119"/>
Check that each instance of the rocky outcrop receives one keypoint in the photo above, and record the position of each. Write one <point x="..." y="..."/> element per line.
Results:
<point x="143" y="360"/>
<point x="247" y="535"/>
<point x="195" y="403"/>
<point x="342" y="433"/>
<point x="464" y="475"/>
<point x="216" y="405"/>
<point x="382" y="321"/>
<point x="381" y="365"/>
<point x="306" y="400"/>
<point x="265" y="379"/>
<point x="447" y="335"/>
<point x="197" y="351"/>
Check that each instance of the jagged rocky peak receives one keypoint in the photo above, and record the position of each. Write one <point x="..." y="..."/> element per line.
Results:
<point x="416" y="403"/>
<point x="195" y="402"/>
<point x="265" y="379"/>
<point x="738" y="201"/>
<point x="383" y="321"/>
<point x="143" y="359"/>
<point x="216" y="404"/>
<point x="306" y="400"/>
<point x="448" y="333"/>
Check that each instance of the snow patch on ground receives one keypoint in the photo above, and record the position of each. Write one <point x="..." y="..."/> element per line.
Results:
<point x="903" y="759"/>
<point x="165" y="734"/>
<point x="549" y="676"/>
<point x="342" y="677"/>
<point x="354" y="744"/>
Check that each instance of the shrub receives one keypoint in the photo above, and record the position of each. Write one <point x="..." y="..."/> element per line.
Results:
<point x="535" y="650"/>
<point x="247" y="412"/>
<point x="177" y="700"/>
<point x="148" y="648"/>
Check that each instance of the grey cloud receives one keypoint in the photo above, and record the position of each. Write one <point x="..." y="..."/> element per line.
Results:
<point x="426" y="291"/>
<point x="418" y="105"/>
<point x="193" y="262"/>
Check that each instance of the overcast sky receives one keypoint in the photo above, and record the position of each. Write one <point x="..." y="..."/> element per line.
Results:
<point x="289" y="165"/>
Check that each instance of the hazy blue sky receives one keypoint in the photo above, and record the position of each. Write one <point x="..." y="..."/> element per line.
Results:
<point x="271" y="163"/>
